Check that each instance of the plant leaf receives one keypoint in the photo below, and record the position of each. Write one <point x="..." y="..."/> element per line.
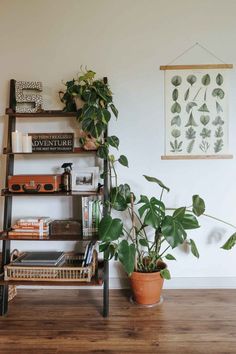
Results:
<point x="204" y="119"/>
<point x="123" y="160"/>
<point x="143" y="242"/>
<point x="118" y="201"/>
<point x="153" y="212"/>
<point x="173" y="231"/>
<point x="114" y="110"/>
<point x="218" y="146"/>
<point x="155" y="180"/>
<point x="190" y="105"/>
<point x="186" y="95"/>
<point x="198" y="205"/>
<point x="230" y="243"/>
<point x="176" y="80"/>
<point x="219" y="132"/>
<point x="113" y="141"/>
<point x="126" y="255"/>
<point x="176" y="108"/>
<point x="206" y="80"/>
<point x="191" y="79"/>
<point x="189" y="222"/>
<point x="175" y="94"/>
<point x="190" y="133"/>
<point x="165" y="274"/>
<point x="218" y="92"/>
<point x="205" y="133"/>
<point x="191" y="121"/>
<point x="190" y="146"/>
<point x="218" y="121"/>
<point x="109" y="229"/>
<point x="219" y="109"/>
<point x="179" y="213"/>
<point x="176" y="120"/>
<point x="176" y="133"/>
<point x="219" y="79"/>
<point x="194" y="249"/>
<point x="203" y="108"/>
<point x="170" y="257"/>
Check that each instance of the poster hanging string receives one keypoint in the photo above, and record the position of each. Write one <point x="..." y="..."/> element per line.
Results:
<point x="193" y="46"/>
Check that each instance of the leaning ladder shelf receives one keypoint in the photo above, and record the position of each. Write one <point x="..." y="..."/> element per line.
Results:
<point x="103" y="266"/>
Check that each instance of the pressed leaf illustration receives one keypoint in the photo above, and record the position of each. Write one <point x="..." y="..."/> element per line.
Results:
<point x="191" y="122"/>
<point x="190" y="105"/>
<point x="203" y="108"/>
<point x="218" y="121"/>
<point x="219" y="109"/>
<point x="219" y="79"/>
<point x="186" y="95"/>
<point x="175" y="94"/>
<point x="190" y="133"/>
<point x="219" y="132"/>
<point x="204" y="146"/>
<point x="176" y="80"/>
<point x="218" y="92"/>
<point x="218" y="146"/>
<point x="204" y="119"/>
<point x="176" y="133"/>
<point x="176" y="108"/>
<point x="205" y="133"/>
<point x="197" y="93"/>
<point x="176" y="147"/>
<point x="190" y="146"/>
<point x="176" y="120"/>
<point x="206" y="80"/>
<point x="191" y="79"/>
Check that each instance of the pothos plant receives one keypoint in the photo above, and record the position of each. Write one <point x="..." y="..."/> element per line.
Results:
<point x="95" y="113"/>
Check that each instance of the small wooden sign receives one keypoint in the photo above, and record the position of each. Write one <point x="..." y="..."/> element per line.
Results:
<point x="54" y="142"/>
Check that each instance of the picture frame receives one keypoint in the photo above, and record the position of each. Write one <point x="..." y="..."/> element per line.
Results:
<point x="85" y="179"/>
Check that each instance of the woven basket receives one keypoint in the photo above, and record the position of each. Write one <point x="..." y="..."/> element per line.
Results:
<point x="12" y="291"/>
<point x="72" y="270"/>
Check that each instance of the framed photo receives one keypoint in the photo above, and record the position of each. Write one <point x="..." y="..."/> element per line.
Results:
<point x="85" y="179"/>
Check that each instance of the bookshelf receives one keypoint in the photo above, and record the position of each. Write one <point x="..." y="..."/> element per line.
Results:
<point x="102" y="278"/>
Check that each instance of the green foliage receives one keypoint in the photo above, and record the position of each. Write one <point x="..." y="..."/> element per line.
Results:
<point x="176" y="133"/>
<point x="205" y="133"/>
<point x="190" y="146"/>
<point x="176" y="108"/>
<point x="204" y="119"/>
<point x="176" y="80"/>
<point x="190" y="133"/>
<point x="218" y="121"/>
<point x="165" y="274"/>
<point x="206" y="80"/>
<point x="219" y="93"/>
<point x="190" y="105"/>
<point x="175" y="94"/>
<point x="191" y="122"/>
<point x="176" y="146"/>
<point x="191" y="79"/>
<point x="194" y="249"/>
<point x="203" y="108"/>
<point x="231" y="242"/>
<point x="176" y="120"/>
<point x="198" y="205"/>
<point x="219" y="79"/>
<point x="218" y="145"/>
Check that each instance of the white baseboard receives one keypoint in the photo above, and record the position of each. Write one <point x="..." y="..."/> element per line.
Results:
<point x="174" y="283"/>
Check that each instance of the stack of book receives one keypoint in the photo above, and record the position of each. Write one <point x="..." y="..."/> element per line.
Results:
<point x="91" y="215"/>
<point x="31" y="228"/>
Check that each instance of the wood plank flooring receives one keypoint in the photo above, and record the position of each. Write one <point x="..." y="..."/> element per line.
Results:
<point x="70" y="321"/>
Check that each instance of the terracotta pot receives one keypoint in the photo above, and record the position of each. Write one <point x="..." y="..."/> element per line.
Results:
<point x="147" y="287"/>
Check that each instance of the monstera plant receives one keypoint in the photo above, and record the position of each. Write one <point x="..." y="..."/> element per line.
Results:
<point x="143" y="243"/>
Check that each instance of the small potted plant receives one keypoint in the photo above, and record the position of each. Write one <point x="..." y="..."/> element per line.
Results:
<point x="92" y="99"/>
<point x="143" y="244"/>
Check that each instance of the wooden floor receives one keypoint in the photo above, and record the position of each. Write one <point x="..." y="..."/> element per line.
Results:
<point x="69" y="321"/>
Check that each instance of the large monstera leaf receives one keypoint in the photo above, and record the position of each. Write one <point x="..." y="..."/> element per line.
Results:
<point x="126" y="255"/>
<point x="120" y="197"/>
<point x="153" y="211"/>
<point x="110" y="229"/>
<point x="173" y="231"/>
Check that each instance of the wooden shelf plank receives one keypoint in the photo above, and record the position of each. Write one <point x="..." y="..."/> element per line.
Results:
<point x="198" y="66"/>
<point x="94" y="282"/>
<point x="25" y="237"/>
<point x="42" y="114"/>
<point x="6" y="193"/>
<point x="77" y="150"/>
<point x="196" y="157"/>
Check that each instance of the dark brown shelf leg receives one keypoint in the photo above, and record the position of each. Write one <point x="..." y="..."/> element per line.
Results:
<point x="3" y="300"/>
<point x="106" y="289"/>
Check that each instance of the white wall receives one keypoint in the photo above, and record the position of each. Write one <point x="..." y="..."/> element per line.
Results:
<point x="127" y="40"/>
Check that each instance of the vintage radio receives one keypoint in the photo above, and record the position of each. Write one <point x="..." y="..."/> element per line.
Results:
<point x="65" y="227"/>
<point x="34" y="183"/>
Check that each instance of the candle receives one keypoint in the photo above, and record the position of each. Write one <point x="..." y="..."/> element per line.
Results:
<point x="16" y="141"/>
<point x="27" y="143"/>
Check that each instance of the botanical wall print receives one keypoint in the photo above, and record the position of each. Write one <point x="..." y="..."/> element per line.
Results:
<point x="196" y="104"/>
